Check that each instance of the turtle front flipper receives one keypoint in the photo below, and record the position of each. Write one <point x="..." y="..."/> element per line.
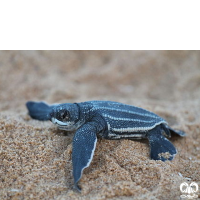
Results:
<point x="84" y="144"/>
<point x="39" y="110"/>
<point x="160" y="147"/>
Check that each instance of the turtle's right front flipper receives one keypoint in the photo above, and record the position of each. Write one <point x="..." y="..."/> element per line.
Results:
<point x="39" y="110"/>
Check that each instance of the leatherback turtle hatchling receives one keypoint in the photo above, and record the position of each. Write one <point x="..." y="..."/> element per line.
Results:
<point x="109" y="120"/>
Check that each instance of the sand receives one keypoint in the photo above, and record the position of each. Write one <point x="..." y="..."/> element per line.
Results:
<point x="35" y="157"/>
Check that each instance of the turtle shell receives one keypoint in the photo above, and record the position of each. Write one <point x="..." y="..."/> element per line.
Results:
<point x="124" y="119"/>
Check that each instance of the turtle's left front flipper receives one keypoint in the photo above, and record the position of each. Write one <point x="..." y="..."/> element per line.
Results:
<point x="84" y="144"/>
<point x="39" y="110"/>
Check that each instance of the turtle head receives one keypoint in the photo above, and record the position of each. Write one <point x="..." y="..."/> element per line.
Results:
<point x="65" y="116"/>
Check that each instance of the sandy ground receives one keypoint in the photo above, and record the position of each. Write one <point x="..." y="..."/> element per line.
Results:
<point x="35" y="157"/>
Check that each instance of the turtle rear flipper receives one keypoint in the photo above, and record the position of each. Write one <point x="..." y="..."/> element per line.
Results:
<point x="39" y="110"/>
<point x="177" y="132"/>
<point x="160" y="147"/>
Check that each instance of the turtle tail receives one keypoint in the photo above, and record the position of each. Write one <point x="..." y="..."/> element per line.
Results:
<point x="39" y="110"/>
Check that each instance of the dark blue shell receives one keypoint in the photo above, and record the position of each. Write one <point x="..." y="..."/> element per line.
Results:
<point x="122" y="118"/>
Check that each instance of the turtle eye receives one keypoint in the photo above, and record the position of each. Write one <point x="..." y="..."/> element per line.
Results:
<point x="64" y="115"/>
